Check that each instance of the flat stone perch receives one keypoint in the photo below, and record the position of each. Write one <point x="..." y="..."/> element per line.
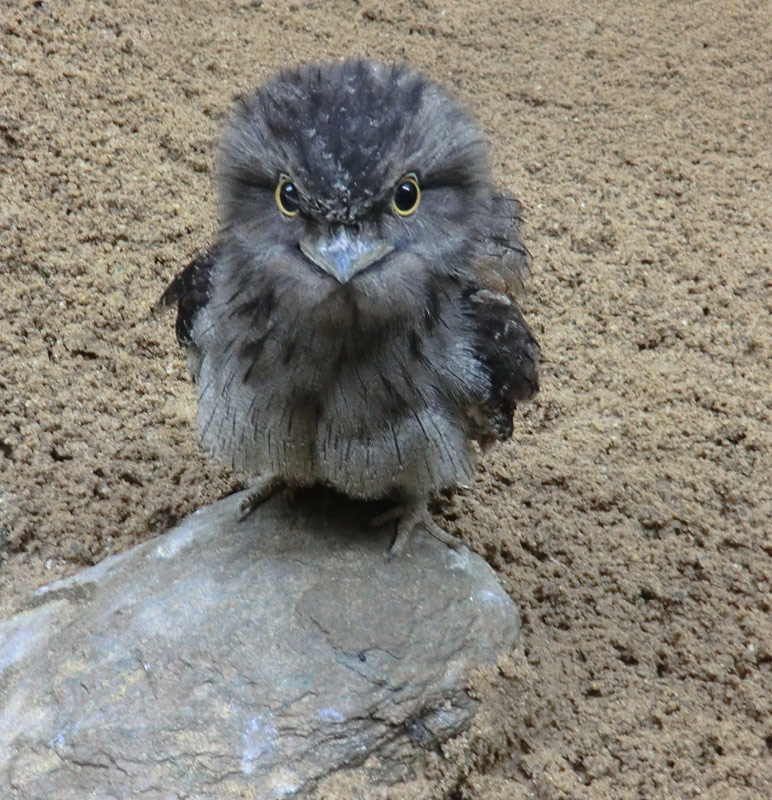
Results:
<point x="247" y="660"/>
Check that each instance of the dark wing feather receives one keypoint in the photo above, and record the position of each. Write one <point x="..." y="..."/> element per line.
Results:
<point x="503" y="262"/>
<point x="190" y="290"/>
<point x="506" y="347"/>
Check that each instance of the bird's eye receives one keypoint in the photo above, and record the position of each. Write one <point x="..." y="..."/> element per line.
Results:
<point x="286" y="195"/>
<point x="407" y="196"/>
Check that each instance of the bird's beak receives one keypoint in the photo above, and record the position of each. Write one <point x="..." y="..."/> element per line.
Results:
<point x="344" y="253"/>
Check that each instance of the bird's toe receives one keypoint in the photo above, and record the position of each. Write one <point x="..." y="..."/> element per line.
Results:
<point x="261" y="489"/>
<point x="413" y="517"/>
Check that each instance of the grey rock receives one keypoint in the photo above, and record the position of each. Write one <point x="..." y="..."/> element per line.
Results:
<point x="247" y="660"/>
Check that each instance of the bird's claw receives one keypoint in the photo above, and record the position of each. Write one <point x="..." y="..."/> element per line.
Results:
<point x="412" y="516"/>
<point x="260" y="490"/>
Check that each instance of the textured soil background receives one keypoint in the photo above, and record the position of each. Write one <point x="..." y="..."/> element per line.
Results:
<point x="630" y="518"/>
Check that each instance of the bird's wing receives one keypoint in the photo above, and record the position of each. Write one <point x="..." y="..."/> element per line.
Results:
<point x="504" y="263"/>
<point x="510" y="354"/>
<point x="190" y="290"/>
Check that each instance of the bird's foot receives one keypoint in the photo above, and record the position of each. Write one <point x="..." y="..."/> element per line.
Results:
<point x="261" y="488"/>
<point x="411" y="516"/>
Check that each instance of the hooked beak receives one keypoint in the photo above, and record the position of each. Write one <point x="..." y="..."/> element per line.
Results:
<point x="344" y="253"/>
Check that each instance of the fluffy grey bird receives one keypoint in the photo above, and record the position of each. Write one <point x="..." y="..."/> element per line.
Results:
<point x="354" y="324"/>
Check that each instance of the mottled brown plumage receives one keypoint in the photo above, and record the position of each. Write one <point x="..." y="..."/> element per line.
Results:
<point x="354" y="325"/>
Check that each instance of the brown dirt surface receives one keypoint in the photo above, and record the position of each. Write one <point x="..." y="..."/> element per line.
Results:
<point x="630" y="517"/>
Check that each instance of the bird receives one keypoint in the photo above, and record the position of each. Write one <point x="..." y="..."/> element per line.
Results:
<point x="355" y="323"/>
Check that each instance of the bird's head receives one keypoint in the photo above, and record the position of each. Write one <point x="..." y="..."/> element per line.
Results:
<point x="354" y="173"/>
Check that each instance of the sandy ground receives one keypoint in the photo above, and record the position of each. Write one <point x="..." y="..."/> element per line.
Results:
<point x="630" y="517"/>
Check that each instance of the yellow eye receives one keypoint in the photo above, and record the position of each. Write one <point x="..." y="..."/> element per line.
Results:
<point x="287" y="198"/>
<point x="407" y="196"/>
